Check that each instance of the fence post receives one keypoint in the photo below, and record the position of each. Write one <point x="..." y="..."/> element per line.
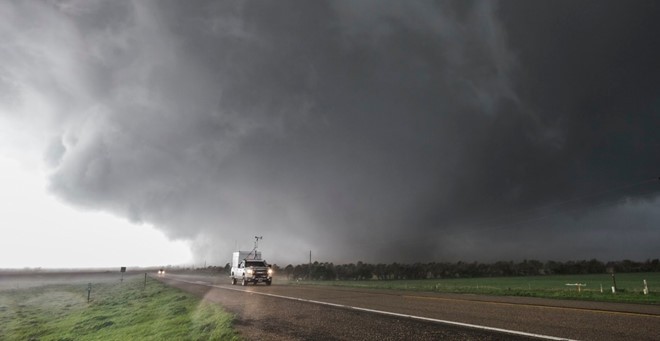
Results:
<point x="646" y="288"/>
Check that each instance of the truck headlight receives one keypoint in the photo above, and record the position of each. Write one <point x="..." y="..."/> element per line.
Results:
<point x="249" y="271"/>
<point x="270" y="272"/>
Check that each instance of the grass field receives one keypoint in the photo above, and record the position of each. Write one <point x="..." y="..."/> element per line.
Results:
<point x="629" y="286"/>
<point x="117" y="311"/>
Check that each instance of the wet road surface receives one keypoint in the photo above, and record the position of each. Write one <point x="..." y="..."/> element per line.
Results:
<point x="290" y="312"/>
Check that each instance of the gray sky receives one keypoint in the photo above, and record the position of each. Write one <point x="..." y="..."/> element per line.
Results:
<point x="376" y="131"/>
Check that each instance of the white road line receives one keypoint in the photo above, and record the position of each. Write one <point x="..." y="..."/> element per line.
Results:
<point x="389" y="313"/>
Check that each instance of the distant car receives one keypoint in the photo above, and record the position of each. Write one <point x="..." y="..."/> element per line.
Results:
<point x="161" y="272"/>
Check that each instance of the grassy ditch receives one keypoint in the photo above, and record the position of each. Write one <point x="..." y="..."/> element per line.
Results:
<point x="629" y="286"/>
<point x="116" y="311"/>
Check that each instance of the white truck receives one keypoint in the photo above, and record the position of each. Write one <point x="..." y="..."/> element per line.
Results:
<point x="249" y="267"/>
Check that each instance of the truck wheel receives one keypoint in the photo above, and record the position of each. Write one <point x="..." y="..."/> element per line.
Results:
<point x="269" y="282"/>
<point x="244" y="283"/>
<point x="233" y="281"/>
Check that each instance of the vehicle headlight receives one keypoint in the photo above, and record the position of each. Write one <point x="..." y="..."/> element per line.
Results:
<point x="249" y="271"/>
<point x="270" y="272"/>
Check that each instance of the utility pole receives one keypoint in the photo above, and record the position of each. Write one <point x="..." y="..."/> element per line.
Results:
<point x="310" y="265"/>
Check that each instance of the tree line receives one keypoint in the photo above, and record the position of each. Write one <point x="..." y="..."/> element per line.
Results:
<point x="438" y="270"/>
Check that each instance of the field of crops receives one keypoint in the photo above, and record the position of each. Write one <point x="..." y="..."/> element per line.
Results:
<point x="629" y="285"/>
<point x="126" y="310"/>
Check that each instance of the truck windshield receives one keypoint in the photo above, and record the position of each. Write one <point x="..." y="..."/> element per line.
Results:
<point x="253" y="263"/>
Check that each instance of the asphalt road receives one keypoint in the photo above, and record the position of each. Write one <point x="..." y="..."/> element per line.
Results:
<point x="289" y="312"/>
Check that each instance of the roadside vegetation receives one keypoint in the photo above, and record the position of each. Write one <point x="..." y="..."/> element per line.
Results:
<point x="629" y="286"/>
<point x="444" y="270"/>
<point x="116" y="311"/>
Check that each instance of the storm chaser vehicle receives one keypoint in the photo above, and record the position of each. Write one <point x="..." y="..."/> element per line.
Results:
<point x="249" y="267"/>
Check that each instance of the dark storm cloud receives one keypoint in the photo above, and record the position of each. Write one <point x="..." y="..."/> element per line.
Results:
<point x="391" y="131"/>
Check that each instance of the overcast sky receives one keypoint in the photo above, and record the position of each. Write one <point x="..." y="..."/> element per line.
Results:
<point x="378" y="131"/>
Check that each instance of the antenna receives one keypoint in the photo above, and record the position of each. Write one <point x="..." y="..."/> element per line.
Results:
<point x="256" y="242"/>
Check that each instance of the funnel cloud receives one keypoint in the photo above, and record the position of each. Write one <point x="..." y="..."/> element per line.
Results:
<point x="376" y="131"/>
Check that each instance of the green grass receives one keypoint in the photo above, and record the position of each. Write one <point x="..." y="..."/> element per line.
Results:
<point x="629" y="285"/>
<point x="117" y="311"/>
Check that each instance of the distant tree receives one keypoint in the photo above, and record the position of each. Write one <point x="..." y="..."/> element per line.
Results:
<point x="289" y="271"/>
<point x="367" y="271"/>
<point x="651" y="265"/>
<point x="529" y="268"/>
<point x="394" y="271"/>
<point x="380" y="271"/>
<point x="363" y="271"/>
<point x="595" y="266"/>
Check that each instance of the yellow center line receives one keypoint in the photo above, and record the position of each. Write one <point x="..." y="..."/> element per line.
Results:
<point x="534" y="306"/>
